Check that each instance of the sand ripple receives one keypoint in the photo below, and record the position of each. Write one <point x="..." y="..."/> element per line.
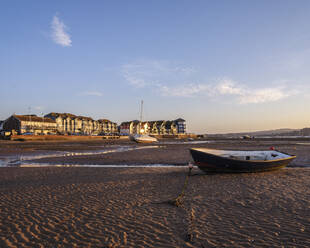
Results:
<point x="111" y="207"/>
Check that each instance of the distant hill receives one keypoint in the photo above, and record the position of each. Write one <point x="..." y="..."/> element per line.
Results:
<point x="275" y="132"/>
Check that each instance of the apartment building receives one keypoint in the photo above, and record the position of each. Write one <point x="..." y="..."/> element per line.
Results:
<point x="68" y="123"/>
<point x="29" y="124"/>
<point x="160" y="127"/>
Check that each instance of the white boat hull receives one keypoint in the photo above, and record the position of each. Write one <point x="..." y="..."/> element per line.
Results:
<point x="144" y="139"/>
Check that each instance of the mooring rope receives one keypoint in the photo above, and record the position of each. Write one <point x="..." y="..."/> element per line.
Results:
<point x="191" y="224"/>
<point x="178" y="200"/>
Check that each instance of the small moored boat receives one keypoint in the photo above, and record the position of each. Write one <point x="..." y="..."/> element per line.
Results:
<point x="143" y="138"/>
<point x="211" y="160"/>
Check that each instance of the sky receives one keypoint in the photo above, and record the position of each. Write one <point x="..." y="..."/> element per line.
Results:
<point x="223" y="66"/>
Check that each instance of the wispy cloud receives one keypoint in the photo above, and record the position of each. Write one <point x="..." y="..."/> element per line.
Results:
<point x="91" y="93"/>
<point x="252" y="95"/>
<point x="144" y="73"/>
<point x="162" y="78"/>
<point x="59" y="34"/>
<point x="188" y="90"/>
<point x="227" y="87"/>
<point x="38" y="108"/>
<point x="264" y="95"/>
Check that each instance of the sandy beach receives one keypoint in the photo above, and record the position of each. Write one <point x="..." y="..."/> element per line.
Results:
<point x="126" y="207"/>
<point x="129" y="207"/>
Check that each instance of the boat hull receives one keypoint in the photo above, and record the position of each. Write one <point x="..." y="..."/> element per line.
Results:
<point x="145" y="141"/>
<point x="213" y="163"/>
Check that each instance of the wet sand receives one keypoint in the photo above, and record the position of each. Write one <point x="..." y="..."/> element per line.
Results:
<point x="173" y="152"/>
<point x="127" y="207"/>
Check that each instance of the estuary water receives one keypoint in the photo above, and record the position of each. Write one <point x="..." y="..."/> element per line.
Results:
<point x="23" y="160"/>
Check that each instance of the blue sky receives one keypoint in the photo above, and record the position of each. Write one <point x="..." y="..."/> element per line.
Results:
<point x="224" y="66"/>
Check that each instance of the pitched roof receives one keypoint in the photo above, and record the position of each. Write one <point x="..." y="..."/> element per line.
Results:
<point x="33" y="118"/>
<point x="66" y="115"/>
<point x="104" y="120"/>
<point x="180" y="119"/>
<point x="84" y="118"/>
<point x="125" y="123"/>
<point x="61" y="114"/>
<point x="168" y="124"/>
<point x="159" y="122"/>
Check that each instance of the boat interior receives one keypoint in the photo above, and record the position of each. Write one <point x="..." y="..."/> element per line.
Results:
<point x="246" y="155"/>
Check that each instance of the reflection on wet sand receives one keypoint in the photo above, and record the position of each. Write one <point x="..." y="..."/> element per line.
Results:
<point x="22" y="159"/>
<point x="100" y="165"/>
<point x="117" y="152"/>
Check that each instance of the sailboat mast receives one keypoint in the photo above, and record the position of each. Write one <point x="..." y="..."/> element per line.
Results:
<point x="140" y="124"/>
<point x="141" y="110"/>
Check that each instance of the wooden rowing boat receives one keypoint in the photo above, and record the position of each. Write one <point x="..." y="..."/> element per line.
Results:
<point x="211" y="160"/>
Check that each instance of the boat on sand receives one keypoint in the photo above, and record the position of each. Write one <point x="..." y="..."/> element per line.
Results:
<point x="144" y="138"/>
<point x="212" y="160"/>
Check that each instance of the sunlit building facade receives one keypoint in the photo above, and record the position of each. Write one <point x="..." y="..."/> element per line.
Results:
<point x="30" y="124"/>
<point x="154" y="127"/>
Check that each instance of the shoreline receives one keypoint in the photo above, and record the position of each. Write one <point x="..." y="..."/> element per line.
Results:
<point x="117" y="152"/>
